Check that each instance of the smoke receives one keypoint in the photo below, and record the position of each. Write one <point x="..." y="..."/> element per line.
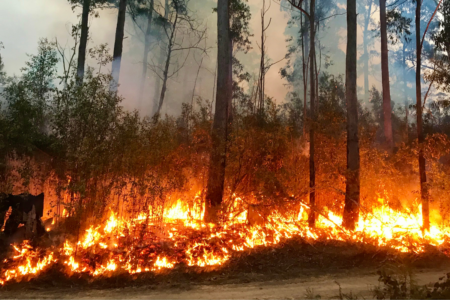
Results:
<point x="27" y="21"/>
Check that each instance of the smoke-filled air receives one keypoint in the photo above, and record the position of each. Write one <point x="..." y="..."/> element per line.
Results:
<point x="225" y="149"/>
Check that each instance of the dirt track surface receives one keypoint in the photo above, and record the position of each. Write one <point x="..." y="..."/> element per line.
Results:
<point x="325" y="286"/>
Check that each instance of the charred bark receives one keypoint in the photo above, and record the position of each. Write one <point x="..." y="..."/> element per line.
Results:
<point x="388" y="134"/>
<point x="216" y="177"/>
<point x="83" y="40"/>
<point x="352" y="195"/>
<point x="118" y="44"/>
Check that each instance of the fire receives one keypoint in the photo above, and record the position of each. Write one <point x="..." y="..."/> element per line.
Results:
<point x="163" y="263"/>
<point x="136" y="245"/>
<point x="29" y="262"/>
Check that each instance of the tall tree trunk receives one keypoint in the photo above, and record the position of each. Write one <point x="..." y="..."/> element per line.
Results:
<point x="312" y="168"/>
<point x="118" y="44"/>
<point x="388" y="134"/>
<point x="231" y="82"/>
<point x="305" y="55"/>
<point x="316" y="73"/>
<point x="352" y="194"/>
<point x="83" y="40"/>
<point x="146" y="50"/>
<point x="422" y="162"/>
<point x="366" y="51"/>
<point x="216" y="177"/>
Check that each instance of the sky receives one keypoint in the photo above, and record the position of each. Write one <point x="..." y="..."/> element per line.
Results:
<point x="27" y="21"/>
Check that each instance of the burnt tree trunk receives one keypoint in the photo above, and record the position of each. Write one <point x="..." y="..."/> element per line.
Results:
<point x="83" y="40"/>
<point x="422" y="163"/>
<point x="388" y="135"/>
<point x="312" y="168"/>
<point x="366" y="51"/>
<point x="352" y="194"/>
<point x="118" y="44"/>
<point x="146" y="49"/>
<point x="216" y="176"/>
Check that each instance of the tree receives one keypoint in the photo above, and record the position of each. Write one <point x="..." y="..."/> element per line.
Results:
<point x="441" y="72"/>
<point x="265" y="64"/>
<point x="424" y="193"/>
<point x="118" y="44"/>
<point x="366" y="10"/>
<point x="312" y="46"/>
<point x="83" y="39"/>
<point x="146" y="9"/>
<point x="178" y="28"/>
<point x="387" y="125"/>
<point x="398" y="27"/>
<point x="27" y="101"/>
<point x="352" y="194"/>
<point x="162" y="55"/>
<point x="88" y="6"/>
<point x="216" y="177"/>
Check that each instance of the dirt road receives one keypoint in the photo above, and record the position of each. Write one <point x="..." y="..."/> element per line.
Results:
<point x="325" y="286"/>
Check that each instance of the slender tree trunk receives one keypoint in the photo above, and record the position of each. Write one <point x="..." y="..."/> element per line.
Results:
<point x="146" y="50"/>
<point x="118" y="44"/>
<point x="366" y="51"/>
<point x="262" y="66"/>
<point x="195" y="82"/>
<point x="405" y="92"/>
<point x="352" y="195"/>
<point x="83" y="40"/>
<point x="388" y="134"/>
<point x="422" y="162"/>
<point x="167" y="65"/>
<point x="216" y="177"/>
<point x="312" y="168"/>
<point x="157" y="95"/>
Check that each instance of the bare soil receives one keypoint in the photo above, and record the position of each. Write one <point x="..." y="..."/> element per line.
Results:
<point x="286" y="271"/>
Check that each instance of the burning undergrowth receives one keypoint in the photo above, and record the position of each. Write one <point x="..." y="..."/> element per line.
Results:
<point x="145" y="244"/>
<point x="114" y="211"/>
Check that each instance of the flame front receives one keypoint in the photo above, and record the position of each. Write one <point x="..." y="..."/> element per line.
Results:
<point x="136" y="245"/>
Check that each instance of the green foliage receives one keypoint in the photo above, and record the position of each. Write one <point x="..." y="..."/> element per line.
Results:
<point x="27" y="99"/>
<point x="398" y="26"/>
<point x="240" y="17"/>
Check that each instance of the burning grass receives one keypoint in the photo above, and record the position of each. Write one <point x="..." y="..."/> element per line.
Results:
<point x="141" y="245"/>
